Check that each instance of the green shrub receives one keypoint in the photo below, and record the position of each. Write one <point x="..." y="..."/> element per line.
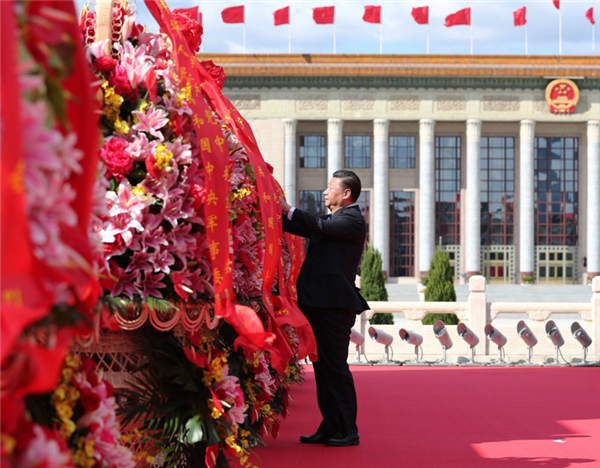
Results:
<point x="372" y="283"/>
<point x="440" y="287"/>
<point x="527" y="279"/>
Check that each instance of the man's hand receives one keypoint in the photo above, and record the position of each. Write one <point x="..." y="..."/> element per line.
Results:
<point x="285" y="206"/>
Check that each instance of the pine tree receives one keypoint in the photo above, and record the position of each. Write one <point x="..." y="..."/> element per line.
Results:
<point x="372" y="283"/>
<point x="440" y="287"/>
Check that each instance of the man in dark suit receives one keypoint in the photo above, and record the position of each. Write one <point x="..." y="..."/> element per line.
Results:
<point x="330" y="301"/>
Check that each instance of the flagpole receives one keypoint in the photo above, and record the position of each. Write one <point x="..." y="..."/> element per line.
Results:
<point x="471" y="29"/>
<point x="381" y="38"/>
<point x="593" y="40"/>
<point x="334" y="38"/>
<point x="244" y="49"/>
<point x="289" y="39"/>
<point x="526" y="32"/>
<point x="560" y="31"/>
<point x="427" y="36"/>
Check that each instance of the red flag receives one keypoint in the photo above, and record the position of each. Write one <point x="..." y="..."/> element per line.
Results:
<point x="459" y="18"/>
<point x="372" y="14"/>
<point x="590" y="15"/>
<point x="281" y="16"/>
<point x="191" y="12"/>
<point x="323" y="15"/>
<point x="233" y="15"/>
<point x="421" y="14"/>
<point x="519" y="15"/>
<point x="556" y="4"/>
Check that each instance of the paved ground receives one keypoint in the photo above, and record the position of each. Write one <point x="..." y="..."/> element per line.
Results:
<point x="504" y="293"/>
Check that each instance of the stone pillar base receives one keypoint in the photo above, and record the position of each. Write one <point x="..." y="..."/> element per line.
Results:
<point x="591" y="275"/>
<point x="525" y="273"/>
<point x="472" y="273"/>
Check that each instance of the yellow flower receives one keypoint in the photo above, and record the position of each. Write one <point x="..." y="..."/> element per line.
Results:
<point x="73" y="361"/>
<point x="8" y="442"/>
<point x="184" y="95"/>
<point x="215" y="413"/>
<point x="67" y="373"/>
<point x="64" y="411"/>
<point x="73" y="394"/>
<point x="60" y="393"/>
<point x="89" y="448"/>
<point x="139" y="191"/>
<point x="67" y="428"/>
<point x="121" y="126"/>
<point x="163" y="157"/>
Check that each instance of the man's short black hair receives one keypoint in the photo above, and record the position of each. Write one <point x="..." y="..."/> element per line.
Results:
<point x="349" y="180"/>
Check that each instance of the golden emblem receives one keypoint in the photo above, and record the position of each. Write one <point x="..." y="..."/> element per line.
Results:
<point x="562" y="96"/>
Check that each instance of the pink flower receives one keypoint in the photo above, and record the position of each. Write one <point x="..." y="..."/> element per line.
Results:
<point x="119" y="79"/>
<point x="151" y="285"/>
<point x="151" y="121"/>
<point x="229" y="391"/>
<point x="116" y="157"/>
<point x="46" y="449"/>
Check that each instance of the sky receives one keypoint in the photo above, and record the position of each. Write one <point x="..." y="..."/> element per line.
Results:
<point x="492" y="30"/>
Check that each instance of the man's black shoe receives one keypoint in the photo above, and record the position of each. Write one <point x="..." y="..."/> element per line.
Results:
<point x="316" y="438"/>
<point x="352" y="439"/>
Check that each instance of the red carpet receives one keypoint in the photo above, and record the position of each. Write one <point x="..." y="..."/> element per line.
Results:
<point x="453" y="417"/>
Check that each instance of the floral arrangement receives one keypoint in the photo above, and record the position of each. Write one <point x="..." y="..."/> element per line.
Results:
<point x="203" y="402"/>
<point x="75" y="425"/>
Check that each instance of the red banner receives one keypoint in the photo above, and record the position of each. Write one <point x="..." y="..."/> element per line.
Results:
<point x="192" y="12"/>
<point x="556" y="4"/>
<point x="461" y="17"/>
<point x="23" y="298"/>
<point x="372" y="14"/>
<point x="233" y="15"/>
<point x="281" y="16"/>
<point x="215" y="157"/>
<point x="520" y="16"/>
<point x="324" y="15"/>
<point x="421" y="14"/>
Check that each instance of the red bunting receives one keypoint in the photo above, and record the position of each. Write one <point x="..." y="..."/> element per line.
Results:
<point x="281" y="16"/>
<point x="461" y="17"/>
<point x="233" y="15"/>
<point x="590" y="15"/>
<point x="520" y="16"/>
<point x="372" y="14"/>
<point x="421" y="14"/>
<point x="556" y="4"/>
<point x="324" y="15"/>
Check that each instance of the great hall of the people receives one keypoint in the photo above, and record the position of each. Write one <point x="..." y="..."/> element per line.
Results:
<point x="496" y="158"/>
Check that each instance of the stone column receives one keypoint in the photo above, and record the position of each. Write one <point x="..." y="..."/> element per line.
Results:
<point x="334" y="147"/>
<point x="473" y="205"/>
<point x="290" y="164"/>
<point x="593" y="205"/>
<point x="526" y="200"/>
<point x="478" y="314"/>
<point x="426" y="194"/>
<point x="381" y="195"/>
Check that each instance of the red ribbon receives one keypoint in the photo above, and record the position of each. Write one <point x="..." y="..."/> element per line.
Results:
<point x="215" y="157"/>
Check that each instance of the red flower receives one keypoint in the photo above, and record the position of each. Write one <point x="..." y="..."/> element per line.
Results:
<point x="88" y="365"/>
<point x="199" y="194"/>
<point x="215" y="71"/>
<point x="116" y="158"/>
<point x="119" y="79"/>
<point x="104" y="64"/>
<point x="191" y="30"/>
<point x="89" y="400"/>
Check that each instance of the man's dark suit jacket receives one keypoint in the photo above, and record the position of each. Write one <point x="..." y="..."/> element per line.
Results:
<point x="327" y="277"/>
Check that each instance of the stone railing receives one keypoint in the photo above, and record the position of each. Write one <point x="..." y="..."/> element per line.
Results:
<point x="475" y="314"/>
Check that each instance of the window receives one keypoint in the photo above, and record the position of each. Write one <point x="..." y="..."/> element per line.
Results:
<point x="556" y="191"/>
<point x="312" y="151"/>
<point x="447" y="189"/>
<point x="402" y="233"/>
<point x="497" y="190"/>
<point x="402" y="152"/>
<point x="313" y="202"/>
<point x="357" y="151"/>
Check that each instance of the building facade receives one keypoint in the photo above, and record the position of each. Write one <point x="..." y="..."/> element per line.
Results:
<point x="476" y="153"/>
